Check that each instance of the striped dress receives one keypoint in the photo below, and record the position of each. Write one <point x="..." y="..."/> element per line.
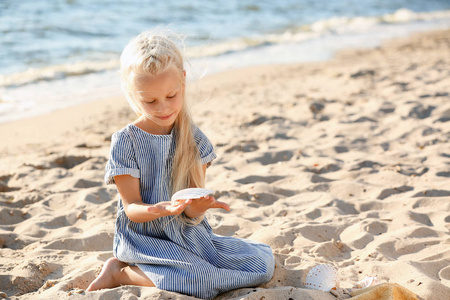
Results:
<point x="177" y="257"/>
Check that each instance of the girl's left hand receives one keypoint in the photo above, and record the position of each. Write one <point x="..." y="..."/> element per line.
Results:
<point x="200" y="205"/>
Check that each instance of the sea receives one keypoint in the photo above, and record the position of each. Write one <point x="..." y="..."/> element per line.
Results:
<point x="59" y="53"/>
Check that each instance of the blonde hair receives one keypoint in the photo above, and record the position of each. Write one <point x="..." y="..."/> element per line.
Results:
<point x="151" y="53"/>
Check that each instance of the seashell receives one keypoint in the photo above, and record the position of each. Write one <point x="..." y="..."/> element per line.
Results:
<point x="191" y="193"/>
<point x="366" y="282"/>
<point x="322" y="277"/>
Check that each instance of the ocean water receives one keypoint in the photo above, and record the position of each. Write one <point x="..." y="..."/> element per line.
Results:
<point x="63" y="52"/>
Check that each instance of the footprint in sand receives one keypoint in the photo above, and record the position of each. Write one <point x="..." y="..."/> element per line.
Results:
<point x="432" y="193"/>
<point x="395" y="249"/>
<point x="411" y="170"/>
<point x="318" y="179"/>
<point x="443" y="174"/>
<point x="255" y="178"/>
<point x="374" y="205"/>
<point x="444" y="117"/>
<point x="329" y="168"/>
<point x="331" y="250"/>
<point x="72" y="183"/>
<point x="14" y="241"/>
<point x="95" y="196"/>
<point x="52" y="222"/>
<point x="102" y="241"/>
<point x="66" y="162"/>
<point x="345" y="208"/>
<point x="92" y="163"/>
<point x="341" y="149"/>
<point x="84" y="184"/>
<point x="364" y="73"/>
<point x="319" y="233"/>
<point x="414" y="239"/>
<point x="29" y="276"/>
<point x="375" y="227"/>
<point x="4" y="187"/>
<point x="273" y="157"/>
<point x="318" y="187"/>
<point x="265" y="198"/>
<point x="361" y="120"/>
<point x="314" y="214"/>
<point x="20" y="200"/>
<point x="9" y="216"/>
<point x="444" y="274"/>
<point x="393" y="191"/>
<point x="435" y="95"/>
<point x="366" y="164"/>
<point x="447" y="155"/>
<point x="263" y="119"/>
<point x="355" y="237"/>
<point x="243" y="147"/>
<point x="421" y="111"/>
<point x="422" y="232"/>
<point x="420" y="218"/>
<point x="430" y="202"/>
<point x="387" y="108"/>
<point x="251" y="200"/>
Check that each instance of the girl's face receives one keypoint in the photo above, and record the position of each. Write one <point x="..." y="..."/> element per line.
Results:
<point x="161" y="98"/>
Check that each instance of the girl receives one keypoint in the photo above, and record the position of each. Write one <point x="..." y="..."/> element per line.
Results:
<point x="157" y="242"/>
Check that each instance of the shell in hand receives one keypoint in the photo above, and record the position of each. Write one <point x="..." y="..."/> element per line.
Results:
<point x="322" y="277"/>
<point x="191" y="193"/>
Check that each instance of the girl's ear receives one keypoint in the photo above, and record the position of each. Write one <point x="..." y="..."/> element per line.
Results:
<point x="184" y="73"/>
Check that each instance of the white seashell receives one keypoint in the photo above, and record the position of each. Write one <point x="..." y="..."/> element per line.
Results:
<point x="322" y="277"/>
<point x="191" y="193"/>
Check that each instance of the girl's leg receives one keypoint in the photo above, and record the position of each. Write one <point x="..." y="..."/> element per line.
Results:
<point x="116" y="273"/>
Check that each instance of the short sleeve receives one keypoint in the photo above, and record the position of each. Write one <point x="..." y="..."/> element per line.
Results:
<point x="205" y="147"/>
<point x="122" y="158"/>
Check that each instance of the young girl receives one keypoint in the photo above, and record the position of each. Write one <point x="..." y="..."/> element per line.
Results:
<point x="157" y="242"/>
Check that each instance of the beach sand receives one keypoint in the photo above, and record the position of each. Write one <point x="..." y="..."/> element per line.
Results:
<point x="344" y="162"/>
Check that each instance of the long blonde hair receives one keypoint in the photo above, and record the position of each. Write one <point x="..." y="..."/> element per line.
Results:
<point x="151" y="53"/>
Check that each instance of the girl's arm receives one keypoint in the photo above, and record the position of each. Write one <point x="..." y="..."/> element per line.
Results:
<point x="138" y="211"/>
<point x="199" y="206"/>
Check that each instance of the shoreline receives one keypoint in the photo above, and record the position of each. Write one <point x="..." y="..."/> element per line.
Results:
<point x="343" y="162"/>
<point x="14" y="128"/>
<point x="46" y="95"/>
<point x="321" y="58"/>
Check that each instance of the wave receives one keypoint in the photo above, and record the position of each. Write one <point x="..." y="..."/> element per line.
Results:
<point x="338" y="25"/>
<point x="334" y="26"/>
<point x="56" y="72"/>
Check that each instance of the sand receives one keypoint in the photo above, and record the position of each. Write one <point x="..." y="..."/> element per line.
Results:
<point x="345" y="162"/>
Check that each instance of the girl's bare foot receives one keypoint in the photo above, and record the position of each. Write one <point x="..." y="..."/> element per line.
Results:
<point x="107" y="277"/>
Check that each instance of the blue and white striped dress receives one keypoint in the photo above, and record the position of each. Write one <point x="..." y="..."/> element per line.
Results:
<point x="176" y="257"/>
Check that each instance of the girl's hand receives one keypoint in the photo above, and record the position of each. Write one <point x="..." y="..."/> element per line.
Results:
<point x="200" y="205"/>
<point x="168" y="208"/>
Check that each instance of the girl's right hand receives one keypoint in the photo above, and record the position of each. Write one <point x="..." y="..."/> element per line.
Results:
<point x="140" y="212"/>
<point x="168" y="208"/>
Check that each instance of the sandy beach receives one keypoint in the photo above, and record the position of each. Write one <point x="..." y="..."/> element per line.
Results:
<point x="344" y="162"/>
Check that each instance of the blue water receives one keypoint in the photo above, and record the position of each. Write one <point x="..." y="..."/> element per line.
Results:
<point x="39" y="33"/>
<point x="43" y="42"/>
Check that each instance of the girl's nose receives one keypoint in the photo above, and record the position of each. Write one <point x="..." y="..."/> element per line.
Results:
<point x="163" y="106"/>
